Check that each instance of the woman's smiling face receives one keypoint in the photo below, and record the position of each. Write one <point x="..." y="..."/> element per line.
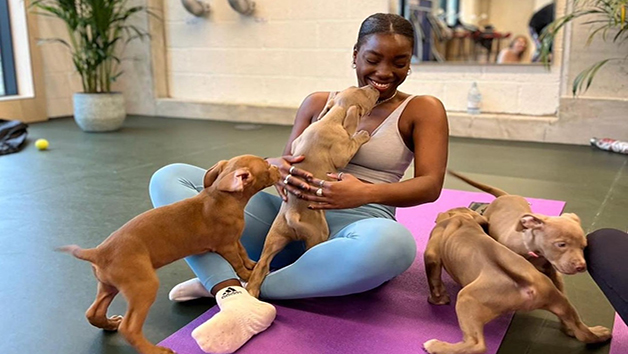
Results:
<point x="383" y="61"/>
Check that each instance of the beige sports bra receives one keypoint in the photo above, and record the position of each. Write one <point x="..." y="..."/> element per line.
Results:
<point x="385" y="157"/>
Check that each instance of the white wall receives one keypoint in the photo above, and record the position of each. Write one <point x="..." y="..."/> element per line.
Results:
<point x="292" y="48"/>
<point x="286" y="51"/>
<point x="227" y="64"/>
<point x="60" y="76"/>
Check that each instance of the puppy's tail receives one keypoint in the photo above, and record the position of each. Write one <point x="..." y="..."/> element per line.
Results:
<point x="484" y="187"/>
<point x="78" y="252"/>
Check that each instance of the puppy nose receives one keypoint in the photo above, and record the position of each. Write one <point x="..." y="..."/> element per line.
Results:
<point x="581" y="268"/>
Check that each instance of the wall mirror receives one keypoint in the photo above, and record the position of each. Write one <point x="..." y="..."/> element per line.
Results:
<point x="477" y="31"/>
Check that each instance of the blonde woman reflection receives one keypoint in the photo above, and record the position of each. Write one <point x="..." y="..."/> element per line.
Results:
<point x="516" y="52"/>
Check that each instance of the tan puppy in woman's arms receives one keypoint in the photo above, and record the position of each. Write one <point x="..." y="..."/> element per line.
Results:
<point x="211" y="221"/>
<point x="328" y="145"/>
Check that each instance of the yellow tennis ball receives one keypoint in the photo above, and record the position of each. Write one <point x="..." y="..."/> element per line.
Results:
<point x="42" y="144"/>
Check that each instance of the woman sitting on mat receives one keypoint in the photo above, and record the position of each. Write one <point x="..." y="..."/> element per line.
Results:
<point x="367" y="247"/>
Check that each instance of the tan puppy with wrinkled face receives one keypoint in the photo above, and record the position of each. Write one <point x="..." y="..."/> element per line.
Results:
<point x="211" y="221"/>
<point x="551" y="243"/>
<point x="327" y="144"/>
<point x="494" y="281"/>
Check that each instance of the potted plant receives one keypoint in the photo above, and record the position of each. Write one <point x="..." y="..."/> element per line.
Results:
<point x="97" y="31"/>
<point x="609" y="20"/>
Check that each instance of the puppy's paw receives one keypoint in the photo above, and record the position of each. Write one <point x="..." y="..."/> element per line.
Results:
<point x="602" y="333"/>
<point x="432" y="346"/>
<point x="253" y="289"/>
<point x="442" y="299"/>
<point x="249" y="264"/>
<point x="110" y="324"/>
<point x="162" y="350"/>
<point x="244" y="274"/>
<point x="114" y="322"/>
<point x="362" y="136"/>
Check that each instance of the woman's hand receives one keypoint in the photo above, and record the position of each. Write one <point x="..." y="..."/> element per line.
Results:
<point x="345" y="192"/>
<point x="287" y="183"/>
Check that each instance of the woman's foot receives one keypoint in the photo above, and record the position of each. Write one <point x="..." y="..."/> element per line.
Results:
<point x="241" y="317"/>
<point x="189" y="290"/>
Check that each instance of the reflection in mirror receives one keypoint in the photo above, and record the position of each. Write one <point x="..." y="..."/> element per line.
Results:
<point x="478" y="31"/>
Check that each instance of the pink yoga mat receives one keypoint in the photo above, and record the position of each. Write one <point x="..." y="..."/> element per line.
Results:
<point x="619" y="343"/>
<point x="394" y="318"/>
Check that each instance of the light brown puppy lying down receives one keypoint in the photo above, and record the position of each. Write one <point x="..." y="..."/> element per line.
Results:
<point x="211" y="221"/>
<point x="551" y="243"/>
<point x="328" y="145"/>
<point x="494" y="281"/>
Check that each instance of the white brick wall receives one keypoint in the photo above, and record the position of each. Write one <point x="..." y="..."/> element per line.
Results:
<point x="287" y="50"/>
<point x="292" y="48"/>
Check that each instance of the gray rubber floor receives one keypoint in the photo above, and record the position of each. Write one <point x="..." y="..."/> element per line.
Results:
<point x="87" y="185"/>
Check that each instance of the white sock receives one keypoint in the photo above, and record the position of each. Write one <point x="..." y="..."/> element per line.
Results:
<point x="189" y="290"/>
<point x="241" y="317"/>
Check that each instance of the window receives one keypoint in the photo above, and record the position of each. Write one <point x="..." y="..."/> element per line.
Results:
<point x="8" y="83"/>
<point x="23" y="95"/>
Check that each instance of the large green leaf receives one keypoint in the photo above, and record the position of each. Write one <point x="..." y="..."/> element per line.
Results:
<point x="607" y="16"/>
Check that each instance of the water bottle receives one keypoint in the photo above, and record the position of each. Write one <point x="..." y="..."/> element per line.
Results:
<point x="611" y="145"/>
<point x="474" y="99"/>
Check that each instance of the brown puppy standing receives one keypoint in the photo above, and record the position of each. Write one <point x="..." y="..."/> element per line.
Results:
<point x="212" y="221"/>
<point x="494" y="281"/>
<point x="551" y="243"/>
<point x="327" y="144"/>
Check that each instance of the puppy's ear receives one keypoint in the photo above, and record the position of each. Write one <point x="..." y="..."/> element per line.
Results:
<point x="351" y="119"/>
<point x="571" y="216"/>
<point x="442" y="216"/>
<point x="235" y="181"/>
<point x="365" y="112"/>
<point x="530" y="221"/>
<point x="295" y="143"/>
<point x="213" y="172"/>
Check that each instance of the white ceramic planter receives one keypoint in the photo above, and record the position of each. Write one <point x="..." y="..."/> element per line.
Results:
<point x="99" y="112"/>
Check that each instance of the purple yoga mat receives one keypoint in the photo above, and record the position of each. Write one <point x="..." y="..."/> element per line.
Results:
<point x="619" y="343"/>
<point x="393" y="318"/>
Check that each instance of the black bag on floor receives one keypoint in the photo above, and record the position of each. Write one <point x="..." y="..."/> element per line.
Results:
<point x="12" y="136"/>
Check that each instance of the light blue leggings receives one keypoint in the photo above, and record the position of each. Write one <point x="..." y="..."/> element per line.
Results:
<point x="367" y="247"/>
